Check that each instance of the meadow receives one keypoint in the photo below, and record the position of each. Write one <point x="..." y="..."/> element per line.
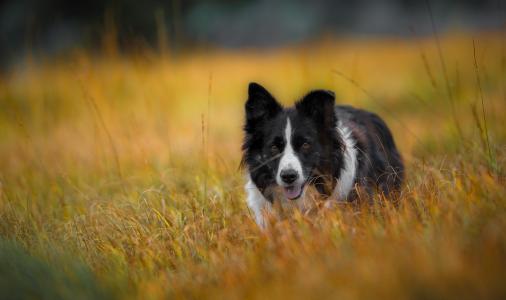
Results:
<point x="119" y="174"/>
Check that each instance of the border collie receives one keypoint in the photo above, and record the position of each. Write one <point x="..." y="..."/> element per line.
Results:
<point x="336" y="151"/>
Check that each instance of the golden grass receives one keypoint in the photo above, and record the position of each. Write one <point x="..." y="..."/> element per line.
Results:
<point x="129" y="166"/>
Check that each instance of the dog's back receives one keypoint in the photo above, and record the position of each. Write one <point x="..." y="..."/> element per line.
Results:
<point x="379" y="164"/>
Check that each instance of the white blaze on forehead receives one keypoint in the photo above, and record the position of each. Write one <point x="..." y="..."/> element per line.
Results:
<point x="289" y="161"/>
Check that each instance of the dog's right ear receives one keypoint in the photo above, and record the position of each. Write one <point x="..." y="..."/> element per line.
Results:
<point x="260" y="104"/>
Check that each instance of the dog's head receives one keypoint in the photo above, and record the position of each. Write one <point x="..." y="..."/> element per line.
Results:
<point x="289" y="148"/>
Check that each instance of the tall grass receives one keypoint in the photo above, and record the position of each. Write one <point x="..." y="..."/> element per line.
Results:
<point x="128" y="167"/>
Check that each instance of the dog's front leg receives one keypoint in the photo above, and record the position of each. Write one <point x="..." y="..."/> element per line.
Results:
<point x="257" y="203"/>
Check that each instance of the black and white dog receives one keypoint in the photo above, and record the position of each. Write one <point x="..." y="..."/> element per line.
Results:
<point x="338" y="150"/>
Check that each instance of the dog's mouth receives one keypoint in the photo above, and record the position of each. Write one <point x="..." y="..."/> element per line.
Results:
<point x="293" y="192"/>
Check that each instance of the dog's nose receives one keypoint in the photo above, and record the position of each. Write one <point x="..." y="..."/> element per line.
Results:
<point x="289" y="176"/>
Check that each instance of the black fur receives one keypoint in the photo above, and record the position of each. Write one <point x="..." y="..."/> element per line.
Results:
<point x="314" y="119"/>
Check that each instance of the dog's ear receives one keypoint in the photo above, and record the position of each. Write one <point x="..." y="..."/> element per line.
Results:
<point x="260" y="105"/>
<point x="319" y="106"/>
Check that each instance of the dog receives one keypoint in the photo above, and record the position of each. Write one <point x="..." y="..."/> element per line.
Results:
<point x="336" y="150"/>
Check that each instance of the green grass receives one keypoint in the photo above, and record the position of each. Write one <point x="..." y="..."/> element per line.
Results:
<point x="25" y="277"/>
<point x="119" y="177"/>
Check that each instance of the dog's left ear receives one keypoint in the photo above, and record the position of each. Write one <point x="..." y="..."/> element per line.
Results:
<point x="319" y="106"/>
<point x="260" y="104"/>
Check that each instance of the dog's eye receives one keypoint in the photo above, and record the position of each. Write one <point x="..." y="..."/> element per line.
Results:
<point x="274" y="149"/>
<point x="306" y="147"/>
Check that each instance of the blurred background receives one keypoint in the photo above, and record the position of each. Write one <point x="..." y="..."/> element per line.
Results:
<point x="55" y="26"/>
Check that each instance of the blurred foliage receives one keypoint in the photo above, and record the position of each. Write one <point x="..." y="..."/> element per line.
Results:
<point x="25" y="277"/>
<point x="53" y="27"/>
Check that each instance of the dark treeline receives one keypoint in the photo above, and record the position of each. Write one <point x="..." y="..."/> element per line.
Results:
<point x="53" y="26"/>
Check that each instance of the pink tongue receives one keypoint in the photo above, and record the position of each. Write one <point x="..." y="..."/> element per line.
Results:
<point x="292" y="192"/>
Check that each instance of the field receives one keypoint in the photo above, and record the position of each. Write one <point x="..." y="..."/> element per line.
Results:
<point x="119" y="175"/>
